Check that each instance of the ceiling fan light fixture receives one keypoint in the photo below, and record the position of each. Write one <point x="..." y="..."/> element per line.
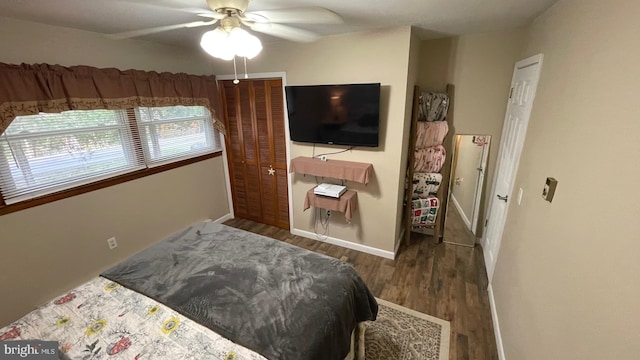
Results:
<point x="216" y="44"/>
<point x="226" y="45"/>
<point x="246" y="45"/>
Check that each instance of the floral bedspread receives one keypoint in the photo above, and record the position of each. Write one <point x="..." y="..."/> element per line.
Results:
<point x="103" y="320"/>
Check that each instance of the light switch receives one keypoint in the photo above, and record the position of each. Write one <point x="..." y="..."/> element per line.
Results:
<point x="549" y="189"/>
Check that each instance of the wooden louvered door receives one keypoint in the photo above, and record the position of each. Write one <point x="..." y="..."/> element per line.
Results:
<point x="256" y="143"/>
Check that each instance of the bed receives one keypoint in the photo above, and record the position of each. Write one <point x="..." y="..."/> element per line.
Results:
<point x="222" y="293"/>
<point x="101" y="319"/>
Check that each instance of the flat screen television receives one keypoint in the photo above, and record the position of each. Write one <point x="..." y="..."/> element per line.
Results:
<point x="334" y="114"/>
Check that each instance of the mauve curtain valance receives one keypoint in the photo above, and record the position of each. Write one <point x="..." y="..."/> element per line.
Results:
<point x="31" y="89"/>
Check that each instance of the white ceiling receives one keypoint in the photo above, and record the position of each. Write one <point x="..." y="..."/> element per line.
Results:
<point x="433" y="18"/>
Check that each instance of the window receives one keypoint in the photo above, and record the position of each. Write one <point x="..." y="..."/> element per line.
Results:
<point x="45" y="153"/>
<point x="175" y="132"/>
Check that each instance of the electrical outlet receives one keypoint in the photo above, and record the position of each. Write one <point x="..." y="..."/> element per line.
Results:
<point x="112" y="243"/>
<point x="328" y="213"/>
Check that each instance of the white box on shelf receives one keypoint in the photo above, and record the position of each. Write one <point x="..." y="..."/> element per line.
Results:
<point x="330" y="190"/>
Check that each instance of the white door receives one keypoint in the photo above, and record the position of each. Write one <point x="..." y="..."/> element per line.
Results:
<point x="482" y="165"/>
<point x="522" y="94"/>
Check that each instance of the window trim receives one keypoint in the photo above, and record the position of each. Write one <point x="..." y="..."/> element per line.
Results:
<point x="101" y="184"/>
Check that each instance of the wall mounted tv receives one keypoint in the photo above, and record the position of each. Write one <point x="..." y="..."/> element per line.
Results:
<point x="334" y="114"/>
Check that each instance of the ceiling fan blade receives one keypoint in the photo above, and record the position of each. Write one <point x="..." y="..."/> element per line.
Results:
<point x="209" y="14"/>
<point x="303" y="15"/>
<point x="166" y="5"/>
<point x="285" y="32"/>
<point x="142" y="32"/>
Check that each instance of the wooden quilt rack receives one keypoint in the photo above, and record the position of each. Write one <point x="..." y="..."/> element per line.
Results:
<point x="438" y="228"/>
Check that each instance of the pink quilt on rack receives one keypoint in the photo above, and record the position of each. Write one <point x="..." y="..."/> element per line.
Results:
<point x="429" y="160"/>
<point x="431" y="134"/>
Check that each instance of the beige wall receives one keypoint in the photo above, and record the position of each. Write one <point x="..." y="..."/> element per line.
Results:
<point x="412" y="81"/>
<point x="28" y="42"/>
<point x="480" y="66"/>
<point x="381" y="56"/>
<point x="436" y="63"/>
<point x="50" y="248"/>
<point x="566" y="281"/>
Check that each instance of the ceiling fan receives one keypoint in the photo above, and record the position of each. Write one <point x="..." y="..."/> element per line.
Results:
<point x="232" y="16"/>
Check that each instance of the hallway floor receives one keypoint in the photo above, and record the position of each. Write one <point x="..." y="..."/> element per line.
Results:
<point x="455" y="230"/>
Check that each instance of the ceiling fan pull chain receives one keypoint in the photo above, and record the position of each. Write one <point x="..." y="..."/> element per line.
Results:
<point x="235" y="72"/>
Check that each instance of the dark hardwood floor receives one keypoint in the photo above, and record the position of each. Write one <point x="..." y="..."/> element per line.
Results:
<point x="443" y="280"/>
<point x="455" y="230"/>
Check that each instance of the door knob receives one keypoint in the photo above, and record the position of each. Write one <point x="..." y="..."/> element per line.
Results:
<point x="503" y="198"/>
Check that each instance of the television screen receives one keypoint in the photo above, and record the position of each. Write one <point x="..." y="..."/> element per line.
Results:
<point x="334" y="114"/>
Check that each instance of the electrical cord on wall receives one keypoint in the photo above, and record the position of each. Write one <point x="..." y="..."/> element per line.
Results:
<point x="322" y="217"/>
<point x="331" y="153"/>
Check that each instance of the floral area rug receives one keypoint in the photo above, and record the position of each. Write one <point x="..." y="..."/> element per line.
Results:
<point x="404" y="334"/>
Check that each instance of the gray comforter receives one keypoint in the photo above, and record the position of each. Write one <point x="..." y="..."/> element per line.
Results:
<point x="277" y="299"/>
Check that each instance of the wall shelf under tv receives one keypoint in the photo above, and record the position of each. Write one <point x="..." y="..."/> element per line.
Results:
<point x="347" y="203"/>
<point x="337" y="169"/>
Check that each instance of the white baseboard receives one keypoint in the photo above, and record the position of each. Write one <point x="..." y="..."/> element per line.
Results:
<point x="460" y="211"/>
<point x="223" y="219"/>
<point x="346" y="244"/>
<point x="395" y="251"/>
<point x="483" y="242"/>
<point x="496" y="324"/>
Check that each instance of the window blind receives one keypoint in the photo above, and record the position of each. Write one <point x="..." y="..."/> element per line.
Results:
<point x="45" y="153"/>
<point x="173" y="133"/>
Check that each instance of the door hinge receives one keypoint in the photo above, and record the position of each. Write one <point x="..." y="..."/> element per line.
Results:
<point x="511" y="93"/>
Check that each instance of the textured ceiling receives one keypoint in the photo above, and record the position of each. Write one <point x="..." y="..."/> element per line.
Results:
<point x="433" y="18"/>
